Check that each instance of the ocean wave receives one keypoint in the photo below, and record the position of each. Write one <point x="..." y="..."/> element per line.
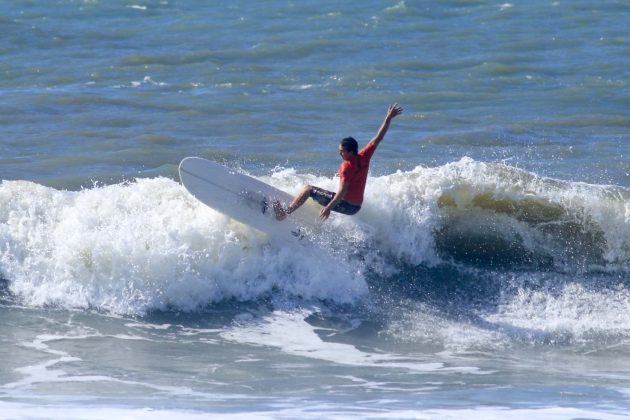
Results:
<point x="493" y="216"/>
<point x="499" y="214"/>
<point x="148" y="245"/>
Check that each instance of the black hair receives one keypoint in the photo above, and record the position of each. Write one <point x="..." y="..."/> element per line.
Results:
<point x="349" y="144"/>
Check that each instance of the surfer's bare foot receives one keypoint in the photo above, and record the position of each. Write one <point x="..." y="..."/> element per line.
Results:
<point x="281" y="214"/>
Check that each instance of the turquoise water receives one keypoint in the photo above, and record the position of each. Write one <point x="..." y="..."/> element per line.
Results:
<point x="486" y="274"/>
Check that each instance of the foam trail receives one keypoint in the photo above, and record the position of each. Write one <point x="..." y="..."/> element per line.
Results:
<point x="569" y="312"/>
<point x="309" y="411"/>
<point x="304" y="342"/>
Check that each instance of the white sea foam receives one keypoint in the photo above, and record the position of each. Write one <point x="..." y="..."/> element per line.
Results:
<point x="573" y="312"/>
<point x="52" y="370"/>
<point x="398" y="7"/>
<point x="303" y="410"/>
<point x="304" y="341"/>
<point x="148" y="244"/>
<point x="423" y="325"/>
<point x="147" y="81"/>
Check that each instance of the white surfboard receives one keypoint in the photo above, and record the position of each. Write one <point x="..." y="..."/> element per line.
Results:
<point x="239" y="196"/>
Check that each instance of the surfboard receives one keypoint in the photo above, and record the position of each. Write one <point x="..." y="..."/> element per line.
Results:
<point x="239" y="196"/>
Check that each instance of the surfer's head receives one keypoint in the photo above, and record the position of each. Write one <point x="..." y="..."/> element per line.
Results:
<point x="348" y="145"/>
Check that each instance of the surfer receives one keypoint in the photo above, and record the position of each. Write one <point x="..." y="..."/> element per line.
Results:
<point x="353" y="173"/>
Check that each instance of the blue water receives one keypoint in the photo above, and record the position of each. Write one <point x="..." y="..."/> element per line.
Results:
<point x="486" y="275"/>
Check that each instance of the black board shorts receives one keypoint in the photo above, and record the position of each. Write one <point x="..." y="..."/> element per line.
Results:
<point x="324" y="197"/>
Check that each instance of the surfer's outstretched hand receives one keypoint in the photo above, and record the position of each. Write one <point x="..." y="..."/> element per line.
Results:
<point x="394" y="110"/>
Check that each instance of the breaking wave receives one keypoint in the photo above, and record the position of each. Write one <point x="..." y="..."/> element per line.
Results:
<point x="148" y="245"/>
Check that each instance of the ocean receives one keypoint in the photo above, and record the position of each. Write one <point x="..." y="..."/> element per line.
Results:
<point x="486" y="276"/>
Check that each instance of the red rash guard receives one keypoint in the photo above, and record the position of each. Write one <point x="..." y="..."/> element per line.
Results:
<point x="355" y="171"/>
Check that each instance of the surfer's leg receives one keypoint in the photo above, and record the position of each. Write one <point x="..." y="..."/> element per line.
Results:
<point x="300" y="199"/>
<point x="320" y="195"/>
<point x="297" y="202"/>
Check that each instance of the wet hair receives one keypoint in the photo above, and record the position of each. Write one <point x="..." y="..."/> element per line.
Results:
<point x="349" y="144"/>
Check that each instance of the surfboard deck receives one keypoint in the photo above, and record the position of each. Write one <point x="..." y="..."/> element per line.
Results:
<point x="238" y="196"/>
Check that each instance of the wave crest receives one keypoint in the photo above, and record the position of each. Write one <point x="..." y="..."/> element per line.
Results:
<point x="147" y="244"/>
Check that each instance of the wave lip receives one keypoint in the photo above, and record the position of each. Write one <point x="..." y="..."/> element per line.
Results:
<point x="497" y="215"/>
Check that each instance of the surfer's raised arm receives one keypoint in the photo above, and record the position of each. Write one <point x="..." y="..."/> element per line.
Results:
<point x="392" y="112"/>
